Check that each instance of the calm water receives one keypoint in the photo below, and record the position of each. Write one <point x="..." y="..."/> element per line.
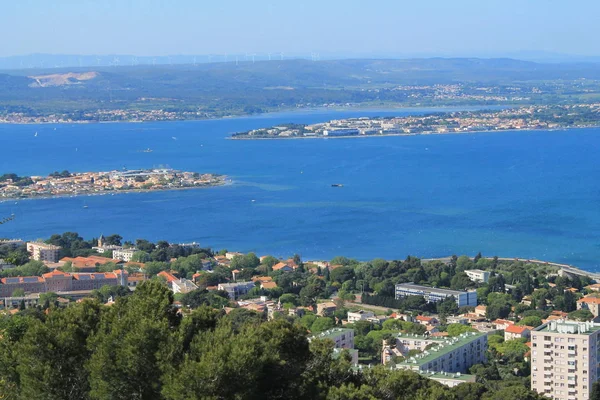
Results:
<point x="526" y="194"/>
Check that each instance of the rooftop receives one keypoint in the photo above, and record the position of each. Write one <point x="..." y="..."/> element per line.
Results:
<point x="569" y="327"/>
<point x="446" y="345"/>
<point x="332" y="333"/>
<point x="448" y="375"/>
<point x="411" y="285"/>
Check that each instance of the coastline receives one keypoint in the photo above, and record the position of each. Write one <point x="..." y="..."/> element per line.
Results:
<point x="358" y="107"/>
<point x="415" y="134"/>
<point x="224" y="182"/>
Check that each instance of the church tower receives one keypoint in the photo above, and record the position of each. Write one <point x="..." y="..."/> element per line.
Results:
<point x="101" y="241"/>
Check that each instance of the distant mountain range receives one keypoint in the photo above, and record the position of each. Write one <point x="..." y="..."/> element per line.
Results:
<point x="45" y="61"/>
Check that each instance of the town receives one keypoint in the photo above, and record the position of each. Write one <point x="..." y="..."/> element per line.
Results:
<point x="86" y="183"/>
<point x="453" y="320"/>
<point x="521" y="118"/>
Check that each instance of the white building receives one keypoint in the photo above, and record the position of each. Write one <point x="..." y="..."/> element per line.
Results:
<point x="342" y="338"/>
<point x="432" y="295"/>
<point x="359" y="316"/>
<point x="105" y="248"/>
<point x="123" y="254"/>
<point x="43" y="252"/>
<point x="564" y="359"/>
<point x="182" y="286"/>
<point x="12" y="243"/>
<point x="478" y="275"/>
<point x="449" y="355"/>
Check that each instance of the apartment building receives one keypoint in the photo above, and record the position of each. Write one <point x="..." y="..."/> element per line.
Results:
<point x="342" y="338"/>
<point x="564" y="359"/>
<point x="478" y="275"/>
<point x="123" y="254"/>
<point x="451" y="355"/>
<point x="435" y="294"/>
<point x="43" y="252"/>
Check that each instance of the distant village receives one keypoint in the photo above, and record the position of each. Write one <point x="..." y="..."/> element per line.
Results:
<point x="439" y="345"/>
<point x="86" y="183"/>
<point x="521" y="118"/>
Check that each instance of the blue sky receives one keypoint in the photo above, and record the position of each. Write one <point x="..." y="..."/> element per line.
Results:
<point x="360" y="27"/>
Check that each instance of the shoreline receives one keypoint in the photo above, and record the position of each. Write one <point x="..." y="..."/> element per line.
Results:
<point x="224" y="182"/>
<point x="387" y="108"/>
<point x="416" y="134"/>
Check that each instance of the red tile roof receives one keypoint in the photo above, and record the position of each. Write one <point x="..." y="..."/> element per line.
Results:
<point x="168" y="276"/>
<point x="517" y="329"/>
<point x="589" y="300"/>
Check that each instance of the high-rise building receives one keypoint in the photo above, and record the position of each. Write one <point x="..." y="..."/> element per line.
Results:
<point x="564" y="359"/>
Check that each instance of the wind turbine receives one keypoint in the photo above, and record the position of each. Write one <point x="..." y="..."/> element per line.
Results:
<point x="269" y="56"/>
<point x="194" y="61"/>
<point x="116" y="61"/>
<point x="154" y="61"/>
<point x="236" y="61"/>
<point x="281" y="54"/>
<point x="98" y="61"/>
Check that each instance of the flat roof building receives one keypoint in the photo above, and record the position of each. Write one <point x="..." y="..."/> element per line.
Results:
<point x="433" y="295"/>
<point x="478" y="275"/>
<point x="43" y="251"/>
<point x="343" y="338"/>
<point x="451" y="355"/>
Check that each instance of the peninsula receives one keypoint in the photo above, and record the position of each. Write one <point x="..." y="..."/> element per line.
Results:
<point x="522" y="118"/>
<point x="88" y="183"/>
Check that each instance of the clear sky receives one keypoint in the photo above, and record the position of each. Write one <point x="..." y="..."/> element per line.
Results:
<point x="161" y="27"/>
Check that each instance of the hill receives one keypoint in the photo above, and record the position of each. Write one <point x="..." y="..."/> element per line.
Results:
<point x="217" y="89"/>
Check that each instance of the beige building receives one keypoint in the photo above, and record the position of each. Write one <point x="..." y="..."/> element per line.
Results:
<point x="589" y="303"/>
<point x="43" y="252"/>
<point x="564" y="359"/>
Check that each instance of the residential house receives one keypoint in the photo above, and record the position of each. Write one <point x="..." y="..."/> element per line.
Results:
<point x="326" y="309"/>
<point x="591" y="303"/>
<point x="517" y="332"/>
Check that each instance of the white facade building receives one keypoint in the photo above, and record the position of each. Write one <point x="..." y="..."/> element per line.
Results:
<point x="478" y="275"/>
<point x="432" y="295"/>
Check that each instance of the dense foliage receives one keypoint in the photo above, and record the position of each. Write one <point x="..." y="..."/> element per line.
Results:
<point x="141" y="347"/>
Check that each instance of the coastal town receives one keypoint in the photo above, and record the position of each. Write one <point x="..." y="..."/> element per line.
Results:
<point x="445" y="319"/>
<point x="521" y="118"/>
<point x="66" y="183"/>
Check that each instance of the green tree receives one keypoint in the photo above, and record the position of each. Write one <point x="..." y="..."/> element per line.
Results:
<point x="18" y="293"/>
<point x="125" y="348"/>
<point x="141" y="256"/>
<point x="458" y="329"/>
<point x="322" y="324"/>
<point x="52" y="355"/>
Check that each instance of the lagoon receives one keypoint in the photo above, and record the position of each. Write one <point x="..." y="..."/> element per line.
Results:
<point x="527" y="194"/>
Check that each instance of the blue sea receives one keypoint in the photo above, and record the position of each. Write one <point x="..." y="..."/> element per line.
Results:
<point x="526" y="194"/>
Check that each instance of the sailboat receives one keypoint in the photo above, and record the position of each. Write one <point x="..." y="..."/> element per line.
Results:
<point x="35" y="134"/>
